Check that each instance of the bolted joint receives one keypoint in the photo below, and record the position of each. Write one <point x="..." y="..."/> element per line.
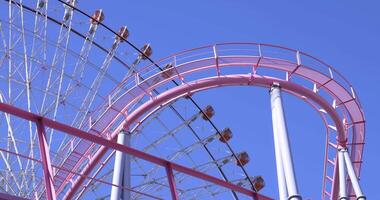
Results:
<point x="343" y="198"/>
<point x="361" y="198"/>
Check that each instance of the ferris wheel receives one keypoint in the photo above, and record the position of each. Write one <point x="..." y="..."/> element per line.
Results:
<point x="87" y="114"/>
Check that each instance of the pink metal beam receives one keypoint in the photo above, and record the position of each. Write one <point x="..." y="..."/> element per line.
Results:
<point x="46" y="164"/>
<point x="169" y="173"/>
<point x="208" y="83"/>
<point x="111" y="144"/>
<point x="170" y="95"/>
<point x="4" y="196"/>
<point x="86" y="171"/>
<point x="102" y="164"/>
<point x="77" y="174"/>
<point x="231" y="80"/>
<point x="314" y="75"/>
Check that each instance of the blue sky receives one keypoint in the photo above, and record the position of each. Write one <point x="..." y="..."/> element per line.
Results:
<point x="344" y="34"/>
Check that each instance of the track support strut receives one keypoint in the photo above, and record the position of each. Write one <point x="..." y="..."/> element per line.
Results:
<point x="122" y="169"/>
<point x="284" y="161"/>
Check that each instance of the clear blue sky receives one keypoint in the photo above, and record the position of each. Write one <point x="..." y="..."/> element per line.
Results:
<point x="344" y="34"/>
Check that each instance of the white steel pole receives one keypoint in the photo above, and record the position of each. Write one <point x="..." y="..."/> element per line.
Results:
<point x="119" y="169"/>
<point x="283" y="142"/>
<point x="342" y="173"/>
<point x="283" y="193"/>
<point x="127" y="169"/>
<point x="353" y="178"/>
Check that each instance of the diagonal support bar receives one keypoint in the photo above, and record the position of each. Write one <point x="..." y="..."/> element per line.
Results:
<point x="46" y="163"/>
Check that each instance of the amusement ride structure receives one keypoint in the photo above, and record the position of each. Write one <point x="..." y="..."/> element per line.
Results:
<point x="86" y="114"/>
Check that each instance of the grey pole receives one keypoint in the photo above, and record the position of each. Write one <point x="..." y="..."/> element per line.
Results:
<point x="283" y="193"/>
<point x="126" y="194"/>
<point x="353" y="178"/>
<point x="283" y="142"/>
<point x="121" y="172"/>
<point x="342" y="173"/>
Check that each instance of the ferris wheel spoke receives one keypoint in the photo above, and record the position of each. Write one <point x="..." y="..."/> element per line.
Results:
<point x="28" y="91"/>
<point x="179" y="177"/>
<point x="157" y="184"/>
<point x="171" y="132"/>
<point x="163" y="178"/>
<point x="60" y="50"/>
<point x="241" y="182"/>
<point x="3" y="39"/>
<point x="83" y="55"/>
<point x="195" y="145"/>
<point x="182" y="177"/>
<point x="6" y="185"/>
<point x="66" y="75"/>
<point x="13" y="39"/>
<point x="60" y="56"/>
<point x="11" y="137"/>
<point x="75" y="79"/>
<point x="9" y="171"/>
<point x="90" y="96"/>
<point x="146" y="174"/>
<point x="90" y="182"/>
<point x="51" y="106"/>
<point x="180" y="116"/>
<point x="180" y="146"/>
<point x="39" y="35"/>
<point x="176" y="139"/>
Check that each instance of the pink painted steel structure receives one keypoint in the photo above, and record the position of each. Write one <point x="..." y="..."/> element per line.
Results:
<point x="46" y="161"/>
<point x="41" y="121"/>
<point x="343" y="92"/>
<point x="149" y="89"/>
<point x="252" y="79"/>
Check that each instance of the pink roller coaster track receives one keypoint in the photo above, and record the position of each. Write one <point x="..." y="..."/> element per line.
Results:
<point x="348" y="122"/>
<point x="338" y="87"/>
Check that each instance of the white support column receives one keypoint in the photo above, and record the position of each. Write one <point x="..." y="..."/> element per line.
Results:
<point x="342" y="175"/>
<point x="126" y="194"/>
<point x="121" y="172"/>
<point x="283" y="142"/>
<point x="353" y="178"/>
<point x="283" y="193"/>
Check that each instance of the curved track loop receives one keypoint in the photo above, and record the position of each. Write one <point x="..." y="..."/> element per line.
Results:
<point x="290" y="67"/>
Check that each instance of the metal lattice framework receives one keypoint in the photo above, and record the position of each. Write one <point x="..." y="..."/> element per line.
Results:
<point x="65" y="98"/>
